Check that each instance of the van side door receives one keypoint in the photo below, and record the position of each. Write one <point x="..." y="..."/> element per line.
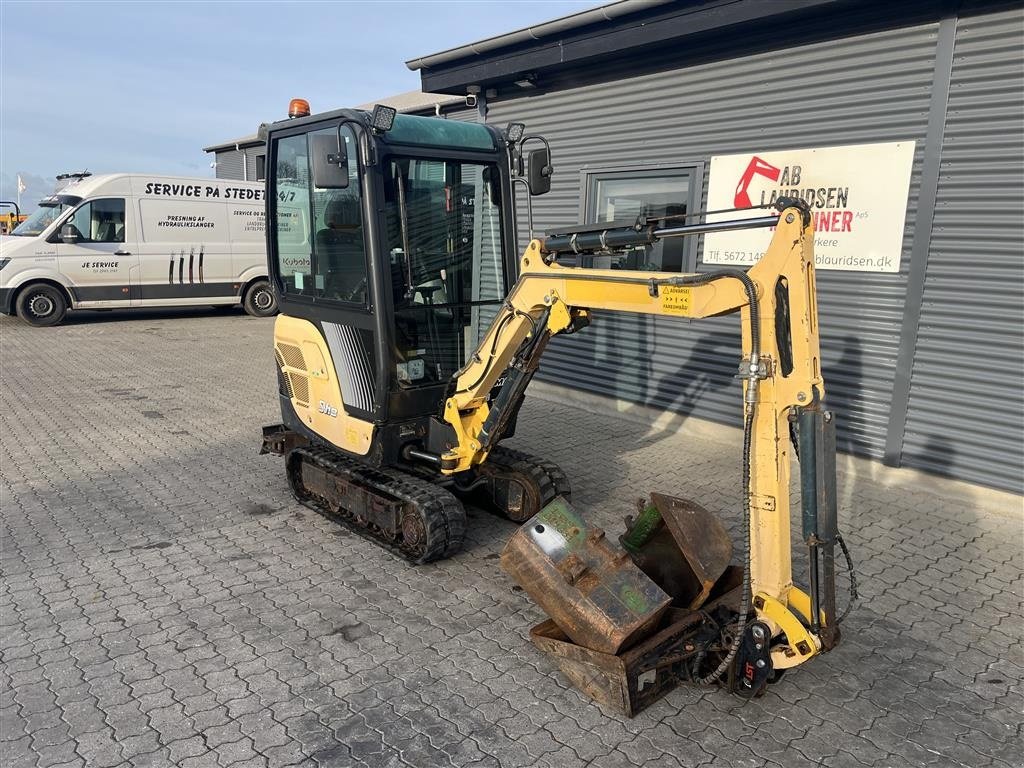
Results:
<point x="97" y="250"/>
<point x="186" y="253"/>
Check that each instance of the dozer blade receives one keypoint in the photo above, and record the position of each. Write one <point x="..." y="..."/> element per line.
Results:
<point x="685" y="554"/>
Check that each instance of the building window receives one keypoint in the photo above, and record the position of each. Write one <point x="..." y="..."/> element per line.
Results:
<point x="620" y="195"/>
<point x="261" y="167"/>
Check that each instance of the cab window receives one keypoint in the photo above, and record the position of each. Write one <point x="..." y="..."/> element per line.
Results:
<point x="339" y="253"/>
<point x="98" y="221"/>
<point x="320" y="246"/>
<point x="443" y="234"/>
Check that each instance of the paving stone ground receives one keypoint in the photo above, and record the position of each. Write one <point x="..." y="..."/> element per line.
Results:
<point x="164" y="601"/>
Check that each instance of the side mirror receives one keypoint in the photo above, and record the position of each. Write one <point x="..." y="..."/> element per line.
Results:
<point x="69" y="234"/>
<point x="330" y="163"/>
<point x="539" y="171"/>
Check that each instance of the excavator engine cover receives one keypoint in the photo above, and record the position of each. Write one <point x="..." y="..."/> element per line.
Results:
<point x="587" y="585"/>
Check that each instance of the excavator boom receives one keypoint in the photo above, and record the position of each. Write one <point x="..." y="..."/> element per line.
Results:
<point x="782" y="383"/>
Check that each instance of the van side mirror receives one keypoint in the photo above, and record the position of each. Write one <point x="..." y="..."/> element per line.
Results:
<point x="539" y="170"/>
<point x="330" y="163"/>
<point x="69" y="234"/>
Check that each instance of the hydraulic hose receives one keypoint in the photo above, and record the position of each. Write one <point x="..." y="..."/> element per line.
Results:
<point x="853" y="579"/>
<point x="749" y="288"/>
<point x="748" y="432"/>
<point x="753" y="377"/>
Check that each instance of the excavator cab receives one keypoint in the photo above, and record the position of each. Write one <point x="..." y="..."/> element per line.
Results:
<point x="402" y="260"/>
<point x="391" y="248"/>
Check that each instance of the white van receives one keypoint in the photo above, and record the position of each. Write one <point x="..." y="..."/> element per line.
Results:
<point x="134" y="240"/>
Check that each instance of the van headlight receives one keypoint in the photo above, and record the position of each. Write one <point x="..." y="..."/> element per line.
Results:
<point x="4" y="262"/>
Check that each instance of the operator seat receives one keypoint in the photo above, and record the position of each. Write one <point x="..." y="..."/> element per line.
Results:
<point x="340" y="252"/>
<point x="105" y="232"/>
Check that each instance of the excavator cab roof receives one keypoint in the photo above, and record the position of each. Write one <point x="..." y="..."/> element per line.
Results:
<point x="406" y="130"/>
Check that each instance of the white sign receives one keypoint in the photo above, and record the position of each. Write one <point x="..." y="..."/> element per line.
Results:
<point x="857" y="194"/>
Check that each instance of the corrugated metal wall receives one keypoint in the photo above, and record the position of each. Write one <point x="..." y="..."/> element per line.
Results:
<point x="866" y="89"/>
<point x="238" y="163"/>
<point x="229" y="164"/>
<point x="966" y="394"/>
<point x="251" y="153"/>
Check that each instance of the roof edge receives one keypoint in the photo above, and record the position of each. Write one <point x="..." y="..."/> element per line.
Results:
<point x="245" y="141"/>
<point x="536" y="32"/>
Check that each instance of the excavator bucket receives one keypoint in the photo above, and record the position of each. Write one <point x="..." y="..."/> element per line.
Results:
<point x="590" y="587"/>
<point x="681" y="546"/>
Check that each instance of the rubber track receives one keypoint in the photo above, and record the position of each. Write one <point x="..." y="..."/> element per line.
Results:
<point x="549" y="477"/>
<point x="443" y="514"/>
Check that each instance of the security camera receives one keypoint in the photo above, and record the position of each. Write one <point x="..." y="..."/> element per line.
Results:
<point x="470" y="99"/>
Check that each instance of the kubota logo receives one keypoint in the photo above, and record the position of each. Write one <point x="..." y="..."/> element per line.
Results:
<point x="756" y="167"/>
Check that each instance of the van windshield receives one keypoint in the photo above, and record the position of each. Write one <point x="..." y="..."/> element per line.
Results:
<point x="40" y="220"/>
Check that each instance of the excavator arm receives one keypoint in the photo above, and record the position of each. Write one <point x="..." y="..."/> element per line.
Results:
<point x="782" y="384"/>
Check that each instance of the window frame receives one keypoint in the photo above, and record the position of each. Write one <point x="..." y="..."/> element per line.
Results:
<point x="506" y="281"/>
<point x="261" y="167"/>
<point x="364" y="307"/>
<point x="68" y="216"/>
<point x="590" y="175"/>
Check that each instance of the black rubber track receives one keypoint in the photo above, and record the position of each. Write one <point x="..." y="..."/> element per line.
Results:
<point x="545" y="474"/>
<point x="443" y="515"/>
<point x="548" y="476"/>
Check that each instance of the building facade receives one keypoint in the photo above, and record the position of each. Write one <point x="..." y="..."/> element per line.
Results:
<point x="637" y="99"/>
<point x="243" y="159"/>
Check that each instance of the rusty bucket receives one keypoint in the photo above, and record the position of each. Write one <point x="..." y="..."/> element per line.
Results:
<point x="683" y="548"/>
<point x="586" y="584"/>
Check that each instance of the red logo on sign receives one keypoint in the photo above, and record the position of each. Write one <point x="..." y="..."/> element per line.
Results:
<point x="756" y="167"/>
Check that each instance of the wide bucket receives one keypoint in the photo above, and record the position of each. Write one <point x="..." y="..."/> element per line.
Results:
<point x="588" y="586"/>
<point x="634" y="679"/>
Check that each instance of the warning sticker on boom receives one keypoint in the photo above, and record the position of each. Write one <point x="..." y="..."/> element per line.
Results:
<point x="675" y="299"/>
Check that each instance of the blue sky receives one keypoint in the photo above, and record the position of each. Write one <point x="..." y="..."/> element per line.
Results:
<point x="143" y="86"/>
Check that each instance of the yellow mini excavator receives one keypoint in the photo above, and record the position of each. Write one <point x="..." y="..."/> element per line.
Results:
<point x="410" y="328"/>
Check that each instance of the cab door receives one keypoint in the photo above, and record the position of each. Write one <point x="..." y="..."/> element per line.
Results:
<point x="97" y="252"/>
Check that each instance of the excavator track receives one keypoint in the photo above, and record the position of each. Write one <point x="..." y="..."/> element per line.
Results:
<point x="548" y="476"/>
<point x="541" y="479"/>
<point x="517" y="485"/>
<point x="409" y="516"/>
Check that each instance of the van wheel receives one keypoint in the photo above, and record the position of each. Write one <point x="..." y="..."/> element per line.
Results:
<point x="40" y="304"/>
<point x="259" y="300"/>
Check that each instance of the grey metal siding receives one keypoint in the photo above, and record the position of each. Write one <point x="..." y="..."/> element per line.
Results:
<point x="966" y="398"/>
<point x="250" y="163"/>
<point x="865" y="89"/>
<point x="229" y="164"/>
<point x="251" y="153"/>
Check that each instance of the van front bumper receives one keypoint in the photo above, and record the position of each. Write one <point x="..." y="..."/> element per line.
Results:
<point x="6" y="294"/>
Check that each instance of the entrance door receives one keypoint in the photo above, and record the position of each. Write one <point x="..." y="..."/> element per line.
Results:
<point x="103" y="258"/>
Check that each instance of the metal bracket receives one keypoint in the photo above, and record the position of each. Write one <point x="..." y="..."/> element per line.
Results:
<point x="801" y="644"/>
